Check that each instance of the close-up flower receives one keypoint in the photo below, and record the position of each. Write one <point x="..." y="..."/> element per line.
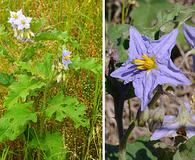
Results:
<point x="66" y="56"/>
<point x="182" y="124"/>
<point x="23" y="23"/>
<point x="149" y="65"/>
<point x="14" y="17"/>
<point x="21" y="26"/>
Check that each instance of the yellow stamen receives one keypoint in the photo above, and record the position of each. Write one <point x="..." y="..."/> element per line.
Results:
<point x="68" y="57"/>
<point x="22" y="21"/>
<point x="15" y="16"/>
<point x="147" y="63"/>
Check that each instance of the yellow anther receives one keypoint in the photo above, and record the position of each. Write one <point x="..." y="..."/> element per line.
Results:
<point x="22" y="21"/>
<point x="68" y="57"/>
<point x="147" y="63"/>
<point x="15" y="16"/>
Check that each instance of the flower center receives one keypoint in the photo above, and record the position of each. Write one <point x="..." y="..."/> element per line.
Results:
<point x="22" y="21"/>
<point x="146" y="63"/>
<point x="67" y="57"/>
<point x="15" y="16"/>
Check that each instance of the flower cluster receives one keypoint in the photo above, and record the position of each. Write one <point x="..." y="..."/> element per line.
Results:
<point x="61" y="67"/>
<point x="21" y="26"/>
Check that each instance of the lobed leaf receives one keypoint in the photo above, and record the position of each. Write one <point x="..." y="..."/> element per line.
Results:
<point x="40" y="69"/>
<point x="51" y="144"/>
<point x="6" y="79"/>
<point x="67" y="107"/>
<point x="56" y="35"/>
<point x="21" y="89"/>
<point x="90" y="64"/>
<point x="14" y="121"/>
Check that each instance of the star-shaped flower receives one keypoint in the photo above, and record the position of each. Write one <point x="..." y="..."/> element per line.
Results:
<point x="66" y="56"/>
<point x="15" y="16"/>
<point x="149" y="65"/>
<point x="23" y="22"/>
<point x="183" y="124"/>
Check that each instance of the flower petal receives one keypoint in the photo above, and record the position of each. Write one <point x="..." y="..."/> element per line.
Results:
<point x="168" y="118"/>
<point x="170" y="74"/>
<point x="187" y="105"/>
<point x="189" y="33"/>
<point x="162" y="47"/>
<point x="136" y="44"/>
<point x="126" y="72"/>
<point x="165" y="131"/>
<point x="190" y="131"/>
<point x="144" y="87"/>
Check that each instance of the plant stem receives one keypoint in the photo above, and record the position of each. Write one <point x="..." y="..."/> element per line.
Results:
<point x="123" y="11"/>
<point x="123" y="142"/>
<point x="156" y="96"/>
<point x="42" y="118"/>
<point x="94" y="115"/>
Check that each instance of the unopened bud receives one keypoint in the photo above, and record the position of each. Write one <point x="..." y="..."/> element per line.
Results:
<point x="143" y="116"/>
<point x="158" y="114"/>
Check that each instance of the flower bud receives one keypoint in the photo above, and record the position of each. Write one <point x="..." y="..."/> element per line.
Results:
<point x="143" y="116"/>
<point x="158" y="114"/>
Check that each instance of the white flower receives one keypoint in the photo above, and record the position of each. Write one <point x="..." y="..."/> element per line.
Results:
<point x="14" y="17"/>
<point x="23" y="22"/>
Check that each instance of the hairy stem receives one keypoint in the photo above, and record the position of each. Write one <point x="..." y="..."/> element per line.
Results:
<point x="123" y="142"/>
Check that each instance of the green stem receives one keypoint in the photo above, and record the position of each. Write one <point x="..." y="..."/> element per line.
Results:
<point x="156" y="96"/>
<point x="42" y="118"/>
<point x="123" y="11"/>
<point x="94" y="117"/>
<point x="123" y="142"/>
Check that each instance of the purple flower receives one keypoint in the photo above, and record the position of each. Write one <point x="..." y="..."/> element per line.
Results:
<point x="189" y="33"/>
<point x="66" y="57"/>
<point x="149" y="64"/>
<point x="183" y="124"/>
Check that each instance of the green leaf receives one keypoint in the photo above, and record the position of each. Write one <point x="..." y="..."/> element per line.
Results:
<point x="21" y="89"/>
<point x="90" y="64"/>
<point x="4" y="53"/>
<point x="29" y="52"/>
<point x="141" y="149"/>
<point x="187" y="151"/>
<point x="3" y="33"/>
<point x="145" y="14"/>
<point x="177" y="156"/>
<point x="117" y="34"/>
<point x="6" y="79"/>
<point x="52" y="145"/>
<point x="39" y="69"/>
<point x="14" y="121"/>
<point x="55" y="35"/>
<point x="116" y="31"/>
<point x="167" y="27"/>
<point x="37" y="24"/>
<point x="67" y="107"/>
